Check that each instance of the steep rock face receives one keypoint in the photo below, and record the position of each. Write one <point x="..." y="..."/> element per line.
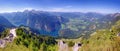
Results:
<point x="44" y="22"/>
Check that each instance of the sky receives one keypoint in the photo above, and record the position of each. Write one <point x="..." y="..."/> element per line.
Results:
<point x="102" y="6"/>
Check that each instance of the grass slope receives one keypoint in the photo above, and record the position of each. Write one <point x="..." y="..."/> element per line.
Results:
<point x="103" y="40"/>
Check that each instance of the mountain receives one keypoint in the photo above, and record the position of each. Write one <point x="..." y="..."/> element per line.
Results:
<point x="44" y="22"/>
<point x="62" y="24"/>
<point x="116" y="16"/>
<point x="4" y="23"/>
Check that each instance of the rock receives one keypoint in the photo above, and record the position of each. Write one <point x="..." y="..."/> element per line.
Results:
<point x="118" y="34"/>
<point x="2" y="43"/>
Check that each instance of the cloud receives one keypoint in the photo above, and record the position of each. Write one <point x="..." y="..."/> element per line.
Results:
<point x="10" y="9"/>
<point x="3" y="10"/>
<point x="57" y="9"/>
<point x="28" y="8"/>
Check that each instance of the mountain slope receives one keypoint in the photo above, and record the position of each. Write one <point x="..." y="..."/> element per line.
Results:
<point x="104" y="40"/>
<point x="4" y="23"/>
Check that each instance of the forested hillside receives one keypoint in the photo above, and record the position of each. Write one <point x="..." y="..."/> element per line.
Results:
<point x="28" y="41"/>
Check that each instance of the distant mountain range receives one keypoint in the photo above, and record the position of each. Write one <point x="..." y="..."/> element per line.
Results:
<point x="63" y="24"/>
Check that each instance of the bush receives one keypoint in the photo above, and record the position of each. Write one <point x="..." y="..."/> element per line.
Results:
<point x="71" y="44"/>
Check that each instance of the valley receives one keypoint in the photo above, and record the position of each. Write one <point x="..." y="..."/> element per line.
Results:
<point x="60" y="24"/>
